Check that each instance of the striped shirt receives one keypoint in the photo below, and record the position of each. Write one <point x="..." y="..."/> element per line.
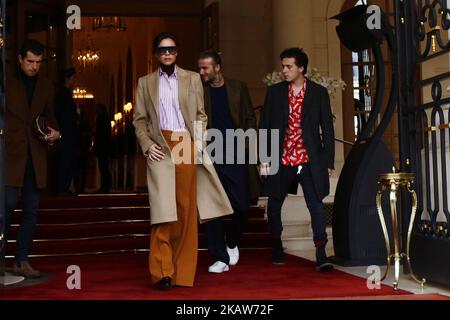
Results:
<point x="170" y="117"/>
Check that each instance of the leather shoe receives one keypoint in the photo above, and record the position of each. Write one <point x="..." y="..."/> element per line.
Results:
<point x="324" y="267"/>
<point x="277" y="251"/>
<point x="164" y="284"/>
<point x="24" y="269"/>
<point x="322" y="264"/>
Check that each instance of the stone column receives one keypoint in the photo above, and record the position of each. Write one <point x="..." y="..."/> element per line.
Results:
<point x="292" y="27"/>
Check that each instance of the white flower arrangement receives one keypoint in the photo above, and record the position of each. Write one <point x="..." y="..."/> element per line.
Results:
<point x="330" y="83"/>
<point x="273" y="78"/>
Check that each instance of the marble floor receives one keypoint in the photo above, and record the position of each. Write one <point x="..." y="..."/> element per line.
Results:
<point x="405" y="283"/>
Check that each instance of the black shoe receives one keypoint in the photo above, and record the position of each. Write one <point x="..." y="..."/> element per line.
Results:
<point x="322" y="264"/>
<point x="164" y="284"/>
<point x="277" y="251"/>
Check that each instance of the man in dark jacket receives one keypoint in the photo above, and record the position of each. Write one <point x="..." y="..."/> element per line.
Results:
<point x="102" y="146"/>
<point x="228" y="107"/>
<point x="68" y="118"/>
<point x="28" y="95"/>
<point x="299" y="111"/>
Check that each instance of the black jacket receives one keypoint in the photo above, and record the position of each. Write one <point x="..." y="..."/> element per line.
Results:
<point x="316" y="118"/>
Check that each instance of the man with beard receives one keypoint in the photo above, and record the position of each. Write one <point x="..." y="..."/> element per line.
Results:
<point x="228" y="107"/>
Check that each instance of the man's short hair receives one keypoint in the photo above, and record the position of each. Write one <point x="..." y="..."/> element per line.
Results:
<point x="33" y="46"/>
<point x="160" y="37"/>
<point x="214" y="55"/>
<point x="301" y="59"/>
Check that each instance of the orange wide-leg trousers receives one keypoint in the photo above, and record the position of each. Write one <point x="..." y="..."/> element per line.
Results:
<point x="173" y="245"/>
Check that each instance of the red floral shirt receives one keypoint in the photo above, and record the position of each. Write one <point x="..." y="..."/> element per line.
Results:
<point x="294" y="150"/>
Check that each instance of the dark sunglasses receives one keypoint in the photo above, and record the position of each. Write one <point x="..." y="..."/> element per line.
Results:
<point x="166" y="50"/>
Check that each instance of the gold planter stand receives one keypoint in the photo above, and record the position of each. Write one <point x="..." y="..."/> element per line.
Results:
<point x="393" y="181"/>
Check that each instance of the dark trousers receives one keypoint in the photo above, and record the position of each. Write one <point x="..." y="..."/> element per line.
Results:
<point x="314" y="203"/>
<point x="30" y="197"/>
<point x="234" y="179"/>
<point x="81" y="168"/>
<point x="103" y="165"/>
<point x="66" y="167"/>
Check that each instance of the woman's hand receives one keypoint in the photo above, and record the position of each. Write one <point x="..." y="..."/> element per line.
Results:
<point x="155" y="153"/>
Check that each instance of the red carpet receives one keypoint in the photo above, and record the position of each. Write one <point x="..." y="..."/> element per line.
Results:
<point x="125" y="277"/>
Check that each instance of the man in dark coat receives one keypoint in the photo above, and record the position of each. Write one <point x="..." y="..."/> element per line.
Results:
<point x="228" y="107"/>
<point x="102" y="146"/>
<point x="298" y="110"/>
<point x="28" y="95"/>
<point x="68" y="118"/>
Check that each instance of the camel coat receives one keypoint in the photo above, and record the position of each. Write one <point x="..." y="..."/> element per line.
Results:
<point x="212" y="201"/>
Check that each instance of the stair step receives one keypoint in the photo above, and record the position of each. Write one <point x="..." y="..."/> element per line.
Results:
<point x="94" y="201"/>
<point x="87" y="230"/>
<point x="253" y="225"/>
<point x="104" y="228"/>
<point x="105" y="223"/>
<point x="118" y="243"/>
<point x="85" y="246"/>
<point x="76" y="215"/>
<point x="59" y="216"/>
<point x="296" y="228"/>
<point x="303" y="243"/>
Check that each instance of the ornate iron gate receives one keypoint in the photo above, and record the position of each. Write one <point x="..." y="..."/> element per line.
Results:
<point x="424" y="127"/>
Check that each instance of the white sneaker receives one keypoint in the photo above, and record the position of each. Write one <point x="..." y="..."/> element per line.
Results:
<point x="218" y="267"/>
<point x="234" y="255"/>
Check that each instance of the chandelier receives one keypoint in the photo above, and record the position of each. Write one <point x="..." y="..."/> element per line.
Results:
<point x="88" y="57"/>
<point x="108" y="24"/>
<point x="81" y="93"/>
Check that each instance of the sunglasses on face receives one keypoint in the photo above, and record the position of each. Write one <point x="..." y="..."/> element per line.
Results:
<point x="166" y="50"/>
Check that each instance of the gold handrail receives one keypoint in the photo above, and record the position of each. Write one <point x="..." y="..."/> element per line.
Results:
<point x="437" y="128"/>
<point x="344" y="141"/>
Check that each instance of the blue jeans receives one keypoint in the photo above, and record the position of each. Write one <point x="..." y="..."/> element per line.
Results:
<point x="31" y="196"/>
<point x="314" y="203"/>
